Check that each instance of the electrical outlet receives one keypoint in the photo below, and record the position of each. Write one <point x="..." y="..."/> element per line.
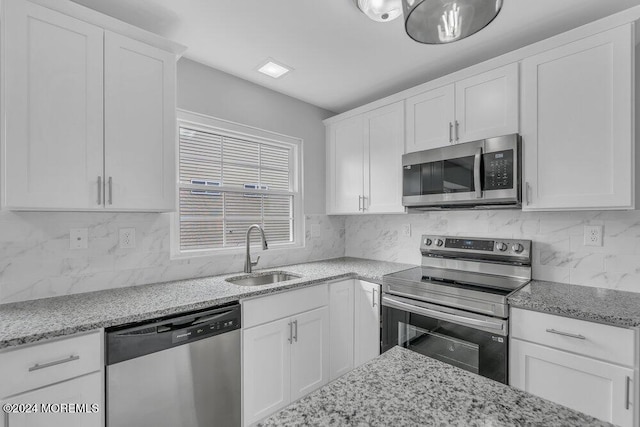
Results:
<point x="593" y="235"/>
<point x="406" y="230"/>
<point x="79" y="238"/>
<point x="127" y="238"/>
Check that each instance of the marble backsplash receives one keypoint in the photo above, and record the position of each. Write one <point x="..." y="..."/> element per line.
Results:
<point x="36" y="261"/>
<point x="558" y="251"/>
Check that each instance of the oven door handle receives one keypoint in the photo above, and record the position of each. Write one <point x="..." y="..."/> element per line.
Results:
<point x="453" y="318"/>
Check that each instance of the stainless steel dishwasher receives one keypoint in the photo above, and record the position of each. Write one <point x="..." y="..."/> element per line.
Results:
<point x="175" y="371"/>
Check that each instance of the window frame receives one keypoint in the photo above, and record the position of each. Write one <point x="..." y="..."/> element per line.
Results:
<point x="231" y="129"/>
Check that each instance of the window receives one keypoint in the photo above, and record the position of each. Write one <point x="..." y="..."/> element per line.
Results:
<point x="232" y="176"/>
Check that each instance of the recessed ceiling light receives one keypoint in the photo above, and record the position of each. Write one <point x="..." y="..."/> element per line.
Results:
<point x="274" y="69"/>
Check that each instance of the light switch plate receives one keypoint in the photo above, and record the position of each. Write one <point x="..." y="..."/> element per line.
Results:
<point x="127" y="238"/>
<point x="593" y="235"/>
<point x="79" y="238"/>
<point x="315" y="231"/>
<point x="406" y="230"/>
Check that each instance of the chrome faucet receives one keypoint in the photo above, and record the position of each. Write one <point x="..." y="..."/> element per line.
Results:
<point x="247" y="262"/>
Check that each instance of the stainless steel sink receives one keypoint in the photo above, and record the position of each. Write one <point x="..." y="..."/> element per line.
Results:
<point x="265" y="278"/>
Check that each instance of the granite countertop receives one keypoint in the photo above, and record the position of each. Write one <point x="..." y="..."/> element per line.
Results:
<point x="36" y="320"/>
<point x="404" y="388"/>
<point x="608" y="306"/>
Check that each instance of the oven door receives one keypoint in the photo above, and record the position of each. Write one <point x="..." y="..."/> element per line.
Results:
<point x="469" y="341"/>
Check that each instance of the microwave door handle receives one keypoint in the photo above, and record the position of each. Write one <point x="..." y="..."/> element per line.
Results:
<point x="476" y="173"/>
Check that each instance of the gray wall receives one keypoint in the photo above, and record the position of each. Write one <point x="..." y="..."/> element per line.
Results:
<point x="205" y="90"/>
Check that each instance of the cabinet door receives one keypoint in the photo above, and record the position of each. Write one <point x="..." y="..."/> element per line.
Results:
<point x="430" y="119"/>
<point x="266" y="362"/>
<point x="86" y="390"/>
<point x="309" y="352"/>
<point x="487" y="104"/>
<point x="341" y="327"/>
<point x="345" y="164"/>
<point x="367" y="331"/>
<point x="384" y="139"/>
<point x="140" y="126"/>
<point x="577" y="124"/>
<point x="54" y="109"/>
<point x="588" y="385"/>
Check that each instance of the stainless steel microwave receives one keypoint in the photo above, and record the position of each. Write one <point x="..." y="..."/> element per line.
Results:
<point x="477" y="174"/>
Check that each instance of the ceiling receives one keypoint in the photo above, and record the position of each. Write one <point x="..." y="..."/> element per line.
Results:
<point x="341" y="59"/>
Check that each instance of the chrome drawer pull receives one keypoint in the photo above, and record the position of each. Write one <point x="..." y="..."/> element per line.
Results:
<point x="567" y="334"/>
<point x="295" y="336"/>
<point x="99" y="190"/>
<point x="57" y="362"/>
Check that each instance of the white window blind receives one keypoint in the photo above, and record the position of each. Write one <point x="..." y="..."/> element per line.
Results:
<point x="227" y="184"/>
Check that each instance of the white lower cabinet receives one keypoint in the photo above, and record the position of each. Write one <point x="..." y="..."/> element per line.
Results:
<point x="354" y="324"/>
<point x="597" y="388"/>
<point x="367" y="322"/>
<point x="582" y="365"/>
<point x="83" y="392"/>
<point x="341" y="327"/>
<point x="286" y="358"/>
<point x="63" y="378"/>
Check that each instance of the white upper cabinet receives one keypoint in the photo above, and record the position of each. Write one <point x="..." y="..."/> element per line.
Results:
<point x="430" y="119"/>
<point x="384" y="138"/>
<point x="481" y="106"/>
<point x="140" y="125"/>
<point x="577" y="124"/>
<point x="53" y="109"/>
<point x="345" y="181"/>
<point x="487" y="104"/>
<point x="89" y="114"/>
<point x="364" y="162"/>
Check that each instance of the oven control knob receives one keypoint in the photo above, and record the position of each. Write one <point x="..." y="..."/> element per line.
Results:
<point x="517" y="248"/>
<point x="501" y="246"/>
<point x="439" y="242"/>
<point x="427" y="242"/>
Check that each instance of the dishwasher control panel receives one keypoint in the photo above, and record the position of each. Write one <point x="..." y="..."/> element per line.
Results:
<point x="135" y="340"/>
<point x="213" y="327"/>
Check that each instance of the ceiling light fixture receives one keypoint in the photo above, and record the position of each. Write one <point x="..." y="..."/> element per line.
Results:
<point x="446" y="21"/>
<point x="274" y="69"/>
<point x="380" y="10"/>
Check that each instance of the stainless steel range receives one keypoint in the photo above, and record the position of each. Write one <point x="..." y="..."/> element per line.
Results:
<point x="454" y="307"/>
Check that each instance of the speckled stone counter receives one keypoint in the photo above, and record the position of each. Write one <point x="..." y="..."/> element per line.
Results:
<point x="35" y="320"/>
<point x="609" y="306"/>
<point x="404" y="388"/>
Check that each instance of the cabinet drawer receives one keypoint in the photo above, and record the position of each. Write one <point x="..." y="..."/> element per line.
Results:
<point x="591" y="339"/>
<point x="30" y="367"/>
<point x="260" y="310"/>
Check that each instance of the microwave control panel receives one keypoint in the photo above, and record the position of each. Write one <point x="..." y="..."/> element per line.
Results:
<point x="498" y="170"/>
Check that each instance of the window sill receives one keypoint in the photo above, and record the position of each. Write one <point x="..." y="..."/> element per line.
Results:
<point x="210" y="253"/>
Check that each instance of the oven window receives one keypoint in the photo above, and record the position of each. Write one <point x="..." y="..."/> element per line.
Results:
<point x="463" y="354"/>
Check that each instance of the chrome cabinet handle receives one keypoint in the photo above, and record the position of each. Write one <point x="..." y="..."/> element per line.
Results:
<point x="110" y="190"/>
<point x="627" y="392"/>
<point x="359" y="203"/>
<point x="99" y="190"/>
<point x="295" y="336"/>
<point x="566" y="334"/>
<point x="450" y="132"/>
<point x="457" y="136"/>
<point x="527" y="190"/>
<point x="477" y="182"/>
<point x="54" y="363"/>
<point x="290" y="333"/>
<point x="373" y="298"/>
